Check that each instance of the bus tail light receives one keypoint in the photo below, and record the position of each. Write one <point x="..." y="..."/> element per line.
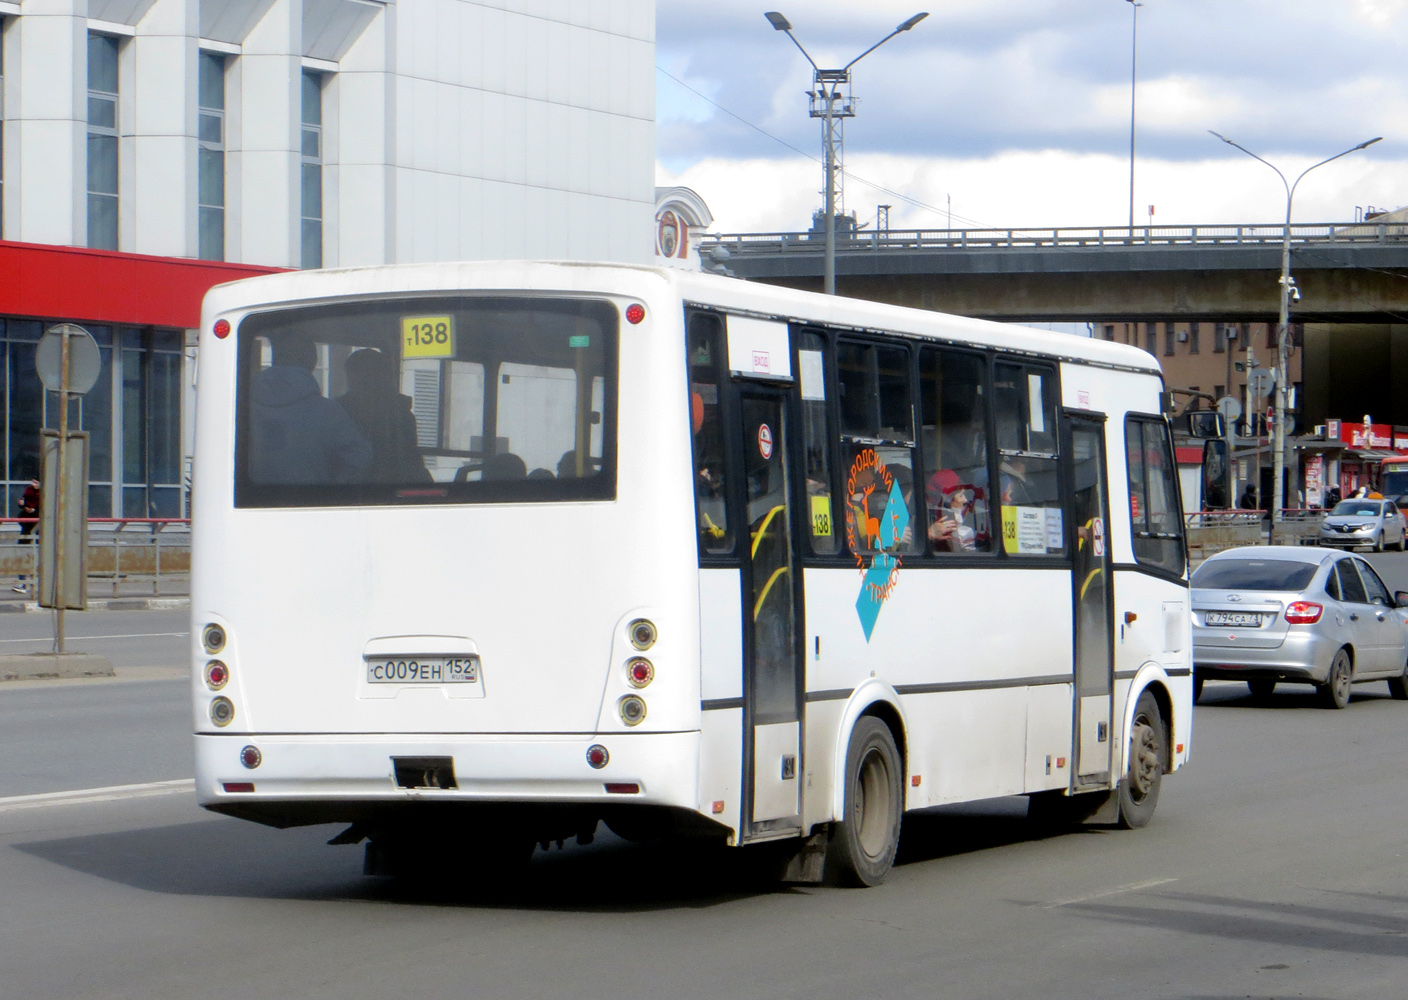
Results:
<point x="643" y="634"/>
<point x="632" y="709"/>
<point x="238" y="786"/>
<point x="623" y="788"/>
<point x="640" y="672"/>
<point x="222" y="711"/>
<point x="250" y="757"/>
<point x="217" y="675"/>
<point x="597" y="756"/>
<point x="212" y="637"/>
<point x="635" y="312"/>
<point x="1303" y="612"/>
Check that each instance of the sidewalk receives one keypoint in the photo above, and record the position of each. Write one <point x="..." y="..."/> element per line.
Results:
<point x="12" y="603"/>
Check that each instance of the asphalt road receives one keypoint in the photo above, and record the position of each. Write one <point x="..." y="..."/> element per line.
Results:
<point x="1277" y="866"/>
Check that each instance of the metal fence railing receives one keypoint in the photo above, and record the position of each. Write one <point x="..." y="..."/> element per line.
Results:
<point x="127" y="556"/>
<point x="1070" y="236"/>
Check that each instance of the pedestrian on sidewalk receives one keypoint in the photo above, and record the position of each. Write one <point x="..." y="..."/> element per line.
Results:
<point x="28" y="507"/>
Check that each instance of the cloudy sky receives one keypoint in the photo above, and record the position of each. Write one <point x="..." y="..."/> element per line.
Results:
<point x="1019" y="110"/>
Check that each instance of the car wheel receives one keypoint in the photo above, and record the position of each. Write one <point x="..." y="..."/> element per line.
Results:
<point x="1334" y="693"/>
<point x="1379" y="542"/>
<point x="1197" y="687"/>
<point x="1398" y="686"/>
<point x="863" y="844"/>
<point x="1261" y="690"/>
<point x="1139" y="789"/>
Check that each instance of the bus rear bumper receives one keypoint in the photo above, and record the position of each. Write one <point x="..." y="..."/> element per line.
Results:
<point x="652" y="769"/>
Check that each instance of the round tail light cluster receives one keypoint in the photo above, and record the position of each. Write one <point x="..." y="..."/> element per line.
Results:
<point x="217" y="675"/>
<point x="597" y="756"/>
<point x="632" y="709"/>
<point x="250" y="757"/>
<point x="222" y="711"/>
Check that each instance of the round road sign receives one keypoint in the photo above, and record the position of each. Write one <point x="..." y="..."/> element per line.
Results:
<point x="84" y="359"/>
<point x="1230" y="407"/>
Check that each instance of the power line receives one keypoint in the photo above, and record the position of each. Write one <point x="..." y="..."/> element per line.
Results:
<point x="861" y="180"/>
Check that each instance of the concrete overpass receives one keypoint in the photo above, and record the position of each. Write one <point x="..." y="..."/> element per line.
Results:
<point x="1355" y="273"/>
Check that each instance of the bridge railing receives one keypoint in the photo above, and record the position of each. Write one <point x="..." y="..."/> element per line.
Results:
<point x="1099" y="236"/>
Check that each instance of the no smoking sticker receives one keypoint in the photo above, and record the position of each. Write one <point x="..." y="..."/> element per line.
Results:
<point x="765" y="440"/>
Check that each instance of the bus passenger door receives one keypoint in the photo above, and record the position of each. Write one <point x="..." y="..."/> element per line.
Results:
<point x="1092" y="599"/>
<point x="771" y="682"/>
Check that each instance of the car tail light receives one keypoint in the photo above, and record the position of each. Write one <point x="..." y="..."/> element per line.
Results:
<point x="1304" y="612"/>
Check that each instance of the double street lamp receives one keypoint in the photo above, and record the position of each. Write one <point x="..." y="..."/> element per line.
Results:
<point x="830" y="105"/>
<point x="1289" y="291"/>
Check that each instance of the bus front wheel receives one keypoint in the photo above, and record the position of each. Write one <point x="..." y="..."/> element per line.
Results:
<point x="863" y="844"/>
<point x="1139" y="790"/>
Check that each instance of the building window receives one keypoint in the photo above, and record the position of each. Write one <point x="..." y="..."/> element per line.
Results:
<point x="1219" y="338"/>
<point x="1245" y="336"/>
<point x="210" y="185"/>
<point x="1151" y="338"/>
<point x="1192" y="338"/>
<point x="1170" y="341"/>
<point x="102" y="142"/>
<point x="1270" y="335"/>
<point x="1109" y="331"/>
<point x="312" y="183"/>
<point x="1218" y="391"/>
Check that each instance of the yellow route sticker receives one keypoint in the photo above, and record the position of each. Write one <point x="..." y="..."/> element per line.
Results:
<point x="427" y="336"/>
<point x="821" y="516"/>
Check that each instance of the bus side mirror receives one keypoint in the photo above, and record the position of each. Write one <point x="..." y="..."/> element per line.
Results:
<point x="1214" y="485"/>
<point x="1204" y="424"/>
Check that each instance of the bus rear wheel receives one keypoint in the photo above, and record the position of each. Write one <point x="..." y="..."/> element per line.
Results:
<point x="863" y="844"/>
<point x="1139" y="790"/>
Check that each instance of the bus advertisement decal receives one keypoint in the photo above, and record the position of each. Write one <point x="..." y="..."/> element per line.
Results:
<point x="868" y="481"/>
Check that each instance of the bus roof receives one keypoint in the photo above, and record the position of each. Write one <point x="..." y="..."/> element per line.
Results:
<point x="292" y="287"/>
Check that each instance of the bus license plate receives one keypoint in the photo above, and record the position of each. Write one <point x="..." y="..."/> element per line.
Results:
<point x="424" y="670"/>
<point x="1243" y="618"/>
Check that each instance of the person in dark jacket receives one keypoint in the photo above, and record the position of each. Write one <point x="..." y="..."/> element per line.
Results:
<point x="28" y="507"/>
<point x="297" y="435"/>
<point x="384" y="417"/>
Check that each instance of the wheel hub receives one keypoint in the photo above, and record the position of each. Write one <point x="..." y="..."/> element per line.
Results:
<point x="1146" y="760"/>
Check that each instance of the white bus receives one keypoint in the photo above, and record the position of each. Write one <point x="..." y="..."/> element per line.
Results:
<point x="499" y="551"/>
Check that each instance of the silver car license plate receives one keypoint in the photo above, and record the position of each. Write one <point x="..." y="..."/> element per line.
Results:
<point x="1246" y="619"/>
<point x="460" y="669"/>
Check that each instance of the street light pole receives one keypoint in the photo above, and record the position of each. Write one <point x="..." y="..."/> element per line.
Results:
<point x="826" y="83"/>
<point x="1289" y="291"/>
<point x="1133" y="76"/>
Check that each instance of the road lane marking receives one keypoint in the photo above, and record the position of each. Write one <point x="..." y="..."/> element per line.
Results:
<point x="81" y="796"/>
<point x="1131" y="887"/>
<point x="135" y="635"/>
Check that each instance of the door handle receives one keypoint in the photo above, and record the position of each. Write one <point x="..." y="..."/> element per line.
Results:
<point x="1379" y="615"/>
<point x="1353" y="617"/>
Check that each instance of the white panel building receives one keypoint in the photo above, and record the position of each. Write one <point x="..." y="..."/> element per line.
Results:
<point x="330" y="132"/>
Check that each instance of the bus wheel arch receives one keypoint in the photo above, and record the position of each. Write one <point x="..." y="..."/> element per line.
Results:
<point x="873" y="698"/>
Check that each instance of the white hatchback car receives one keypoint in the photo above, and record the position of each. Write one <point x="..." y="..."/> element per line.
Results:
<point x="1265" y="614"/>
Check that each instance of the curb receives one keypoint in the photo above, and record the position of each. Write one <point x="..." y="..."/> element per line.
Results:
<point x="106" y="604"/>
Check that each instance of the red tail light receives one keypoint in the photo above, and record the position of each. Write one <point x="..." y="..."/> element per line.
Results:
<point x="1303" y="612"/>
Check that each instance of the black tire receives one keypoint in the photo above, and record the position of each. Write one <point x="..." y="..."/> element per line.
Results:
<point x="862" y="846"/>
<point x="1197" y="687"/>
<point x="1148" y="759"/>
<point x="1334" y="693"/>
<point x="1403" y="542"/>
<point x="1261" y="690"/>
<point x="1379" y="542"/>
<point x="1398" y="686"/>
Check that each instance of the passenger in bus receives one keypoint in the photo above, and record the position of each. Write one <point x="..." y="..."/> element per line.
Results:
<point x="541" y="474"/>
<point x="958" y="499"/>
<point x="953" y="530"/>
<point x="297" y="435"/>
<point x="383" y="415"/>
<point x="504" y="465"/>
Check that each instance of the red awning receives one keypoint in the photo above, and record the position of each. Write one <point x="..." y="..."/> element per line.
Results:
<point x="102" y="286"/>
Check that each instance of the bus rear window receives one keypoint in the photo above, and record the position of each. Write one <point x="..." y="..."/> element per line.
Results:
<point x="450" y="400"/>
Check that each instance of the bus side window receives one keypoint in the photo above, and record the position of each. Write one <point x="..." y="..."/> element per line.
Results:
<point x="877" y="434"/>
<point x="954" y="436"/>
<point x="824" y="533"/>
<point x="706" y="421"/>
<point x="1153" y="495"/>
<point x="1029" y="486"/>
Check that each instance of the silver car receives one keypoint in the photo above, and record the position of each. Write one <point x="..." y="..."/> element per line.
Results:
<point x="1354" y="523"/>
<point x="1264" y="614"/>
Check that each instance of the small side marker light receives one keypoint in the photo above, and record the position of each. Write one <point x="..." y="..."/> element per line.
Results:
<point x="1179" y="748"/>
<point x="1060" y="762"/>
<point x="221" y="329"/>
<point x="623" y="788"/>
<point x="635" y="312"/>
<point x="239" y="786"/>
<point x="718" y="806"/>
<point x="597" y="756"/>
<point x="250" y="757"/>
<point x="915" y="780"/>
